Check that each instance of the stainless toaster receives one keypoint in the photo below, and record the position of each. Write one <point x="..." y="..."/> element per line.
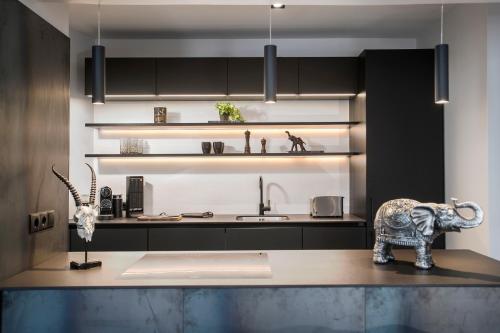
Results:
<point x="327" y="206"/>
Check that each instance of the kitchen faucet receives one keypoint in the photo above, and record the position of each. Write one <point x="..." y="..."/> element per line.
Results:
<point x="262" y="208"/>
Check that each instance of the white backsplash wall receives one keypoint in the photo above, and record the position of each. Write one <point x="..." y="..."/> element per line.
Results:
<point x="227" y="185"/>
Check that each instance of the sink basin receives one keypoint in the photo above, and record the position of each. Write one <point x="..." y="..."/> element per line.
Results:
<point x="262" y="218"/>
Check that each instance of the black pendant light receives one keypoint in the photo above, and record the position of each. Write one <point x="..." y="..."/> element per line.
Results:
<point x="441" y="79"/>
<point x="270" y="66"/>
<point x="98" y="65"/>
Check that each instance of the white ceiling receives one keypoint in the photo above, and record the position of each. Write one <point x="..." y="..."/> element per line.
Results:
<point x="242" y="21"/>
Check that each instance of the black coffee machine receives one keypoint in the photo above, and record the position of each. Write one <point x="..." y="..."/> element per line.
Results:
<point x="105" y="203"/>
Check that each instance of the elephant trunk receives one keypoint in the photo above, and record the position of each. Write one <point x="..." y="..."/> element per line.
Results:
<point x="469" y="223"/>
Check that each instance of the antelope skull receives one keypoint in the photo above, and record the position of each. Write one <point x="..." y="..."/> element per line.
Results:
<point x="85" y="214"/>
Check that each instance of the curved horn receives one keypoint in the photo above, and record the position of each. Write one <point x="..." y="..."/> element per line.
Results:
<point x="469" y="223"/>
<point x="71" y="188"/>
<point x="92" y="187"/>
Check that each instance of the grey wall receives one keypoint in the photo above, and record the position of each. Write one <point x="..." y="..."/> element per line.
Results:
<point x="34" y="116"/>
<point x="493" y="84"/>
<point x="472" y="118"/>
<point x="466" y="120"/>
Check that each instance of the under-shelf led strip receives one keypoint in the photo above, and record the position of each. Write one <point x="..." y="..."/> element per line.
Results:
<point x="216" y="162"/>
<point x="219" y="133"/>
<point x="223" y="95"/>
<point x="215" y="158"/>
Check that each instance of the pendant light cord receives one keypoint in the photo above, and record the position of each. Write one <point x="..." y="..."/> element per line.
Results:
<point x="99" y="22"/>
<point x="270" y="25"/>
<point x="442" y="10"/>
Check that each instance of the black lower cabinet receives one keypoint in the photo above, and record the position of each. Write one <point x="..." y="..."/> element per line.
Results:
<point x="112" y="239"/>
<point x="315" y="238"/>
<point x="186" y="239"/>
<point x="210" y="238"/>
<point x="278" y="238"/>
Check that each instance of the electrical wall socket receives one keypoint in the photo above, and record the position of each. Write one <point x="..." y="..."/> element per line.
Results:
<point x="44" y="219"/>
<point x="41" y="221"/>
<point x="34" y="222"/>
<point x="52" y="218"/>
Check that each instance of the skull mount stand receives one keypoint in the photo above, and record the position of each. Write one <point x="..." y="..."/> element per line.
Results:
<point x="86" y="264"/>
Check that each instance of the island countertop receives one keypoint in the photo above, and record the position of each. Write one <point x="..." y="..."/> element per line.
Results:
<point x="337" y="268"/>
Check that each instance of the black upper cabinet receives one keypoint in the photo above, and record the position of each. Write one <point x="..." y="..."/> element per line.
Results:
<point x="192" y="76"/>
<point x="221" y="76"/>
<point x="130" y="76"/>
<point x="328" y="75"/>
<point x="245" y="76"/>
<point x="125" y="76"/>
<point x="288" y="76"/>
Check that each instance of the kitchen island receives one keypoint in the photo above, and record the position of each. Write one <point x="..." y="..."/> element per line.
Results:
<point x="321" y="291"/>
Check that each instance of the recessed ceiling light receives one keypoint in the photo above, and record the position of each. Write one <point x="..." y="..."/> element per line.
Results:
<point x="278" y="5"/>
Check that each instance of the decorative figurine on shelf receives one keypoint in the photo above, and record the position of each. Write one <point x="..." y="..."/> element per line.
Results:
<point x="84" y="217"/>
<point x="408" y="222"/>
<point x="247" y="142"/>
<point x="296" y="142"/>
<point x="263" y="143"/>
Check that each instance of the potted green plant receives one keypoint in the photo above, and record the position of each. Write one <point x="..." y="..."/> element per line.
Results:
<point x="229" y="112"/>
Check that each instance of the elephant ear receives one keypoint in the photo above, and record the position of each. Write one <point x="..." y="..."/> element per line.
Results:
<point x="423" y="217"/>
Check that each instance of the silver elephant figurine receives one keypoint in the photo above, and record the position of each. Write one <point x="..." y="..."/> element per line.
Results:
<point x="408" y="222"/>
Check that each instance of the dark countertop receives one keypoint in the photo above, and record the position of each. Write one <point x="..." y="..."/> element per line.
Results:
<point x="335" y="268"/>
<point x="231" y="219"/>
